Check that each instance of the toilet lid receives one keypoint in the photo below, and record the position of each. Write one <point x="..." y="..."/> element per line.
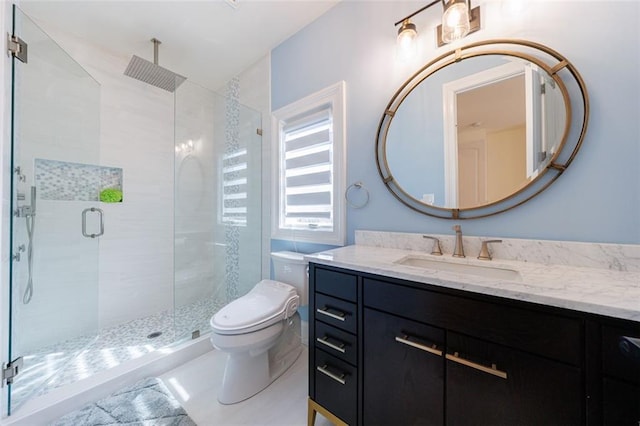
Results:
<point x="266" y="303"/>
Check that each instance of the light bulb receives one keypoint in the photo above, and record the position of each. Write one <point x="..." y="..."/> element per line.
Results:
<point x="455" y="22"/>
<point x="407" y="35"/>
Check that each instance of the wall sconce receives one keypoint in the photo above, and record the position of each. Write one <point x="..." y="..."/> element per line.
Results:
<point x="458" y="20"/>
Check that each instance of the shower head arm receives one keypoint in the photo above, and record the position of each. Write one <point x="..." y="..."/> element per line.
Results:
<point x="156" y="43"/>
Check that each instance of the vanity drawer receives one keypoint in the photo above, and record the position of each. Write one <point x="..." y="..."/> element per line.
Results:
<point x="336" y="342"/>
<point x="336" y="385"/>
<point x="544" y="333"/>
<point x="338" y="284"/>
<point x="336" y="312"/>
<point x="621" y="352"/>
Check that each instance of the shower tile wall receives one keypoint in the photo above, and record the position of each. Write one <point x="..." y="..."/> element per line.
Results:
<point x="136" y="134"/>
<point x="231" y="148"/>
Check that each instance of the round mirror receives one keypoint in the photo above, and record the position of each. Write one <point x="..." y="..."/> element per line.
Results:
<point x="482" y="129"/>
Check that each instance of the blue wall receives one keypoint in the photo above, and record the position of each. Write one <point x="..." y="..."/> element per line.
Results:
<point x="596" y="200"/>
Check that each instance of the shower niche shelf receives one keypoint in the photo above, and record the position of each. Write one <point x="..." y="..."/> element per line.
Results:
<point x="65" y="181"/>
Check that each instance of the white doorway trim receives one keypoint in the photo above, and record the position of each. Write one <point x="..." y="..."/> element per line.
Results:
<point x="449" y="92"/>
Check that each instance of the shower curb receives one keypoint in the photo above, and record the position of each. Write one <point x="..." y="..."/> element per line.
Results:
<point x="57" y="403"/>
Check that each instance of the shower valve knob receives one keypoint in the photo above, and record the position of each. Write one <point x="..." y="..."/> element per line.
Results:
<point x="16" y="256"/>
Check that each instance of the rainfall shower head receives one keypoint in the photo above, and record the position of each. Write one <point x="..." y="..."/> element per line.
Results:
<point x="152" y="73"/>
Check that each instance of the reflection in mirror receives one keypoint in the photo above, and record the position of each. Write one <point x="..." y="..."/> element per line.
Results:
<point x="475" y="132"/>
<point x="482" y="129"/>
<point x="490" y="151"/>
<point x="508" y="124"/>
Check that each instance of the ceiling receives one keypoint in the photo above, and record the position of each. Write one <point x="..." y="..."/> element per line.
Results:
<point x="208" y="41"/>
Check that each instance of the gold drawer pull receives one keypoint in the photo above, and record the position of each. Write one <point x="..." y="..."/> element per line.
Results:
<point x="340" y="316"/>
<point x="491" y="370"/>
<point x="325" y="341"/>
<point x="431" y="349"/>
<point x="338" y="378"/>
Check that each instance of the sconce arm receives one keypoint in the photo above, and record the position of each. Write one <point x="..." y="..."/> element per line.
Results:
<point x="416" y="12"/>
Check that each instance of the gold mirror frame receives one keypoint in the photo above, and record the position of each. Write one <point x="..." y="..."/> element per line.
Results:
<point x="556" y="66"/>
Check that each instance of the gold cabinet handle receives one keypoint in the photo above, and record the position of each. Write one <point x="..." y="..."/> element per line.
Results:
<point x="491" y="370"/>
<point x="340" y="347"/>
<point x="338" y="378"/>
<point x="431" y="349"/>
<point x="340" y="316"/>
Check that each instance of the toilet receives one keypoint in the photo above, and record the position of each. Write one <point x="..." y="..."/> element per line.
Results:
<point x="261" y="331"/>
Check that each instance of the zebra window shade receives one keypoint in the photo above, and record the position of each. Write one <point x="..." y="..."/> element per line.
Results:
<point x="310" y="169"/>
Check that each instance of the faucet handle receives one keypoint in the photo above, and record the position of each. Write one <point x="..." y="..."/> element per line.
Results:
<point x="436" y="251"/>
<point x="484" y="249"/>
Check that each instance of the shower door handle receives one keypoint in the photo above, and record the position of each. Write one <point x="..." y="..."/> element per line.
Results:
<point x="84" y="222"/>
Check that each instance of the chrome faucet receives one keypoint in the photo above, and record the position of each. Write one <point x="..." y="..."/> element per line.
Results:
<point x="458" y="250"/>
<point x="485" y="254"/>
<point x="436" y="250"/>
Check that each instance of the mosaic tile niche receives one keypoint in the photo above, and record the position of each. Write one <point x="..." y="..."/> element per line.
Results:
<point x="59" y="180"/>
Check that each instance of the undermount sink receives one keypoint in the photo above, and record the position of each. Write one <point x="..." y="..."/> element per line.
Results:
<point x="486" y="271"/>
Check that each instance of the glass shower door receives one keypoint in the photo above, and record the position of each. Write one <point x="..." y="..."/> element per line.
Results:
<point x="56" y="218"/>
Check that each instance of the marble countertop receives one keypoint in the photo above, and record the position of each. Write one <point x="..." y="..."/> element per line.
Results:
<point x="593" y="290"/>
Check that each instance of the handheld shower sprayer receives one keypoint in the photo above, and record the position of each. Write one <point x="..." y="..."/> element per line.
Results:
<point x="29" y="213"/>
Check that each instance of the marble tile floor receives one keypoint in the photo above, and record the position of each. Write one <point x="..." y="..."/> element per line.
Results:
<point x="72" y="360"/>
<point x="284" y="403"/>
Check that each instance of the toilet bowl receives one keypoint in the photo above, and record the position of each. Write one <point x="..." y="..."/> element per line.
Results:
<point x="258" y="332"/>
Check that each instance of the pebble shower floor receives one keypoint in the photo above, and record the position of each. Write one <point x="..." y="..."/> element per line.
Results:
<point x="77" y="359"/>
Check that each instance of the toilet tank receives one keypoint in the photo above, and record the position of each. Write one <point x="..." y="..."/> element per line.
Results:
<point x="291" y="268"/>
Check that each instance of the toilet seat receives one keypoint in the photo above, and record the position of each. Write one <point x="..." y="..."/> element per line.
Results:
<point x="267" y="303"/>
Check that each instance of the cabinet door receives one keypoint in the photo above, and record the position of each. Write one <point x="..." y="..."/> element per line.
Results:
<point x="621" y="374"/>
<point x="621" y="403"/>
<point x="403" y="371"/>
<point x="495" y="385"/>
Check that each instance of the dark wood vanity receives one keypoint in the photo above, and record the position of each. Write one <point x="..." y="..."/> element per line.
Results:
<point x="386" y="351"/>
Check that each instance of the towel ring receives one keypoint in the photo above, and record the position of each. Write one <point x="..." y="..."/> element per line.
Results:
<point x="358" y="185"/>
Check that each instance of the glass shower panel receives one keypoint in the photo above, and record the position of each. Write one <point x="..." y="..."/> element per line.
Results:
<point x="218" y="225"/>
<point x="54" y="272"/>
<point x="249" y="265"/>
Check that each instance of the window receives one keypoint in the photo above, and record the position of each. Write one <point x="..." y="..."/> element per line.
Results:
<point x="309" y="148"/>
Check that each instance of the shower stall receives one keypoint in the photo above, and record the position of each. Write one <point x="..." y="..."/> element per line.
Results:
<point x="128" y="231"/>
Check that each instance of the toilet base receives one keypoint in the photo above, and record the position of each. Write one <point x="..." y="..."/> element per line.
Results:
<point x="247" y="374"/>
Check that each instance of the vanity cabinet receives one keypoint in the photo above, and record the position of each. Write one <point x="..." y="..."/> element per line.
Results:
<point x="417" y="354"/>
